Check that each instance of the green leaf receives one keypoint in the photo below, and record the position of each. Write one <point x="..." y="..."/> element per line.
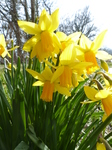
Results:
<point x="38" y="142"/>
<point x="22" y="146"/>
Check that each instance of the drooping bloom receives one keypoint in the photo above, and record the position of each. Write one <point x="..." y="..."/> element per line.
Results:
<point x="104" y="95"/>
<point x="90" y="50"/>
<point x="44" y="79"/>
<point x="44" y="42"/>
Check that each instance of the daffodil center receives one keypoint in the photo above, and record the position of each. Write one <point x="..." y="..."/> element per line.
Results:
<point x="47" y="92"/>
<point x="1" y="49"/>
<point x="47" y="41"/>
<point x="66" y="77"/>
<point x="90" y="57"/>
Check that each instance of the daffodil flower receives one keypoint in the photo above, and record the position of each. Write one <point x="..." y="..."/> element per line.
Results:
<point x="104" y="95"/>
<point x="44" y="41"/>
<point x="68" y="65"/>
<point x="44" y="79"/>
<point x="3" y="51"/>
<point x="90" y="51"/>
<point x="2" y="44"/>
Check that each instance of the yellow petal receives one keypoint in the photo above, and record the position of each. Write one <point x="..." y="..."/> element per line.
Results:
<point x="29" y="27"/>
<point x="68" y="55"/>
<point x="11" y="49"/>
<point x="35" y="74"/>
<point x="80" y="65"/>
<point x="62" y="36"/>
<point x="2" y="40"/>
<point x="100" y="146"/>
<point x="38" y="83"/>
<point x="74" y="36"/>
<point x="85" y="42"/>
<point x="62" y="90"/>
<point x="4" y="53"/>
<point x="47" y="73"/>
<point x="90" y="93"/>
<point x="45" y="21"/>
<point x="36" y="49"/>
<point x="57" y="73"/>
<point x="31" y="43"/>
<point x="56" y="41"/>
<point x="103" y="55"/>
<point x="55" y="20"/>
<point x="99" y="40"/>
<point x="102" y="94"/>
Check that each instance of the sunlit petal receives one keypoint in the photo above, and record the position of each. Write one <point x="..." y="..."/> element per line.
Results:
<point x="47" y="73"/>
<point x="2" y="40"/>
<point x="38" y="83"/>
<point x="62" y="36"/>
<point x="62" y="90"/>
<point x="103" y="55"/>
<point x="31" y="43"/>
<point x="4" y="53"/>
<point x="99" y="40"/>
<point x="55" y="20"/>
<point x="90" y="93"/>
<point x="85" y="42"/>
<point x="29" y="27"/>
<point x="57" y="73"/>
<point x="45" y="21"/>
<point x="68" y="55"/>
<point x="35" y="74"/>
<point x="102" y="94"/>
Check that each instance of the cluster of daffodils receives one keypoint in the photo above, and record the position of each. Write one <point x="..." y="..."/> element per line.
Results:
<point x="68" y="59"/>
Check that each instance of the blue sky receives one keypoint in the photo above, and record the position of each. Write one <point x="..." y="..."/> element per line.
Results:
<point x="101" y="12"/>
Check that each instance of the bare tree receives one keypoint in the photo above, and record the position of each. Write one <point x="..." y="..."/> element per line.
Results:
<point x="29" y="10"/>
<point x="81" y="21"/>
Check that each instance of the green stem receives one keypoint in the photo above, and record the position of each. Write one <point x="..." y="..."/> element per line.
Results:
<point x="12" y="60"/>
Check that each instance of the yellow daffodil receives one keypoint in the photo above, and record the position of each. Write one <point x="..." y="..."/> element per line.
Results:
<point x="90" y="51"/>
<point x="100" y="146"/>
<point x="2" y="44"/>
<point x="68" y="65"/>
<point x="3" y="51"/>
<point x="105" y="95"/>
<point x="44" y="79"/>
<point x="44" y="41"/>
